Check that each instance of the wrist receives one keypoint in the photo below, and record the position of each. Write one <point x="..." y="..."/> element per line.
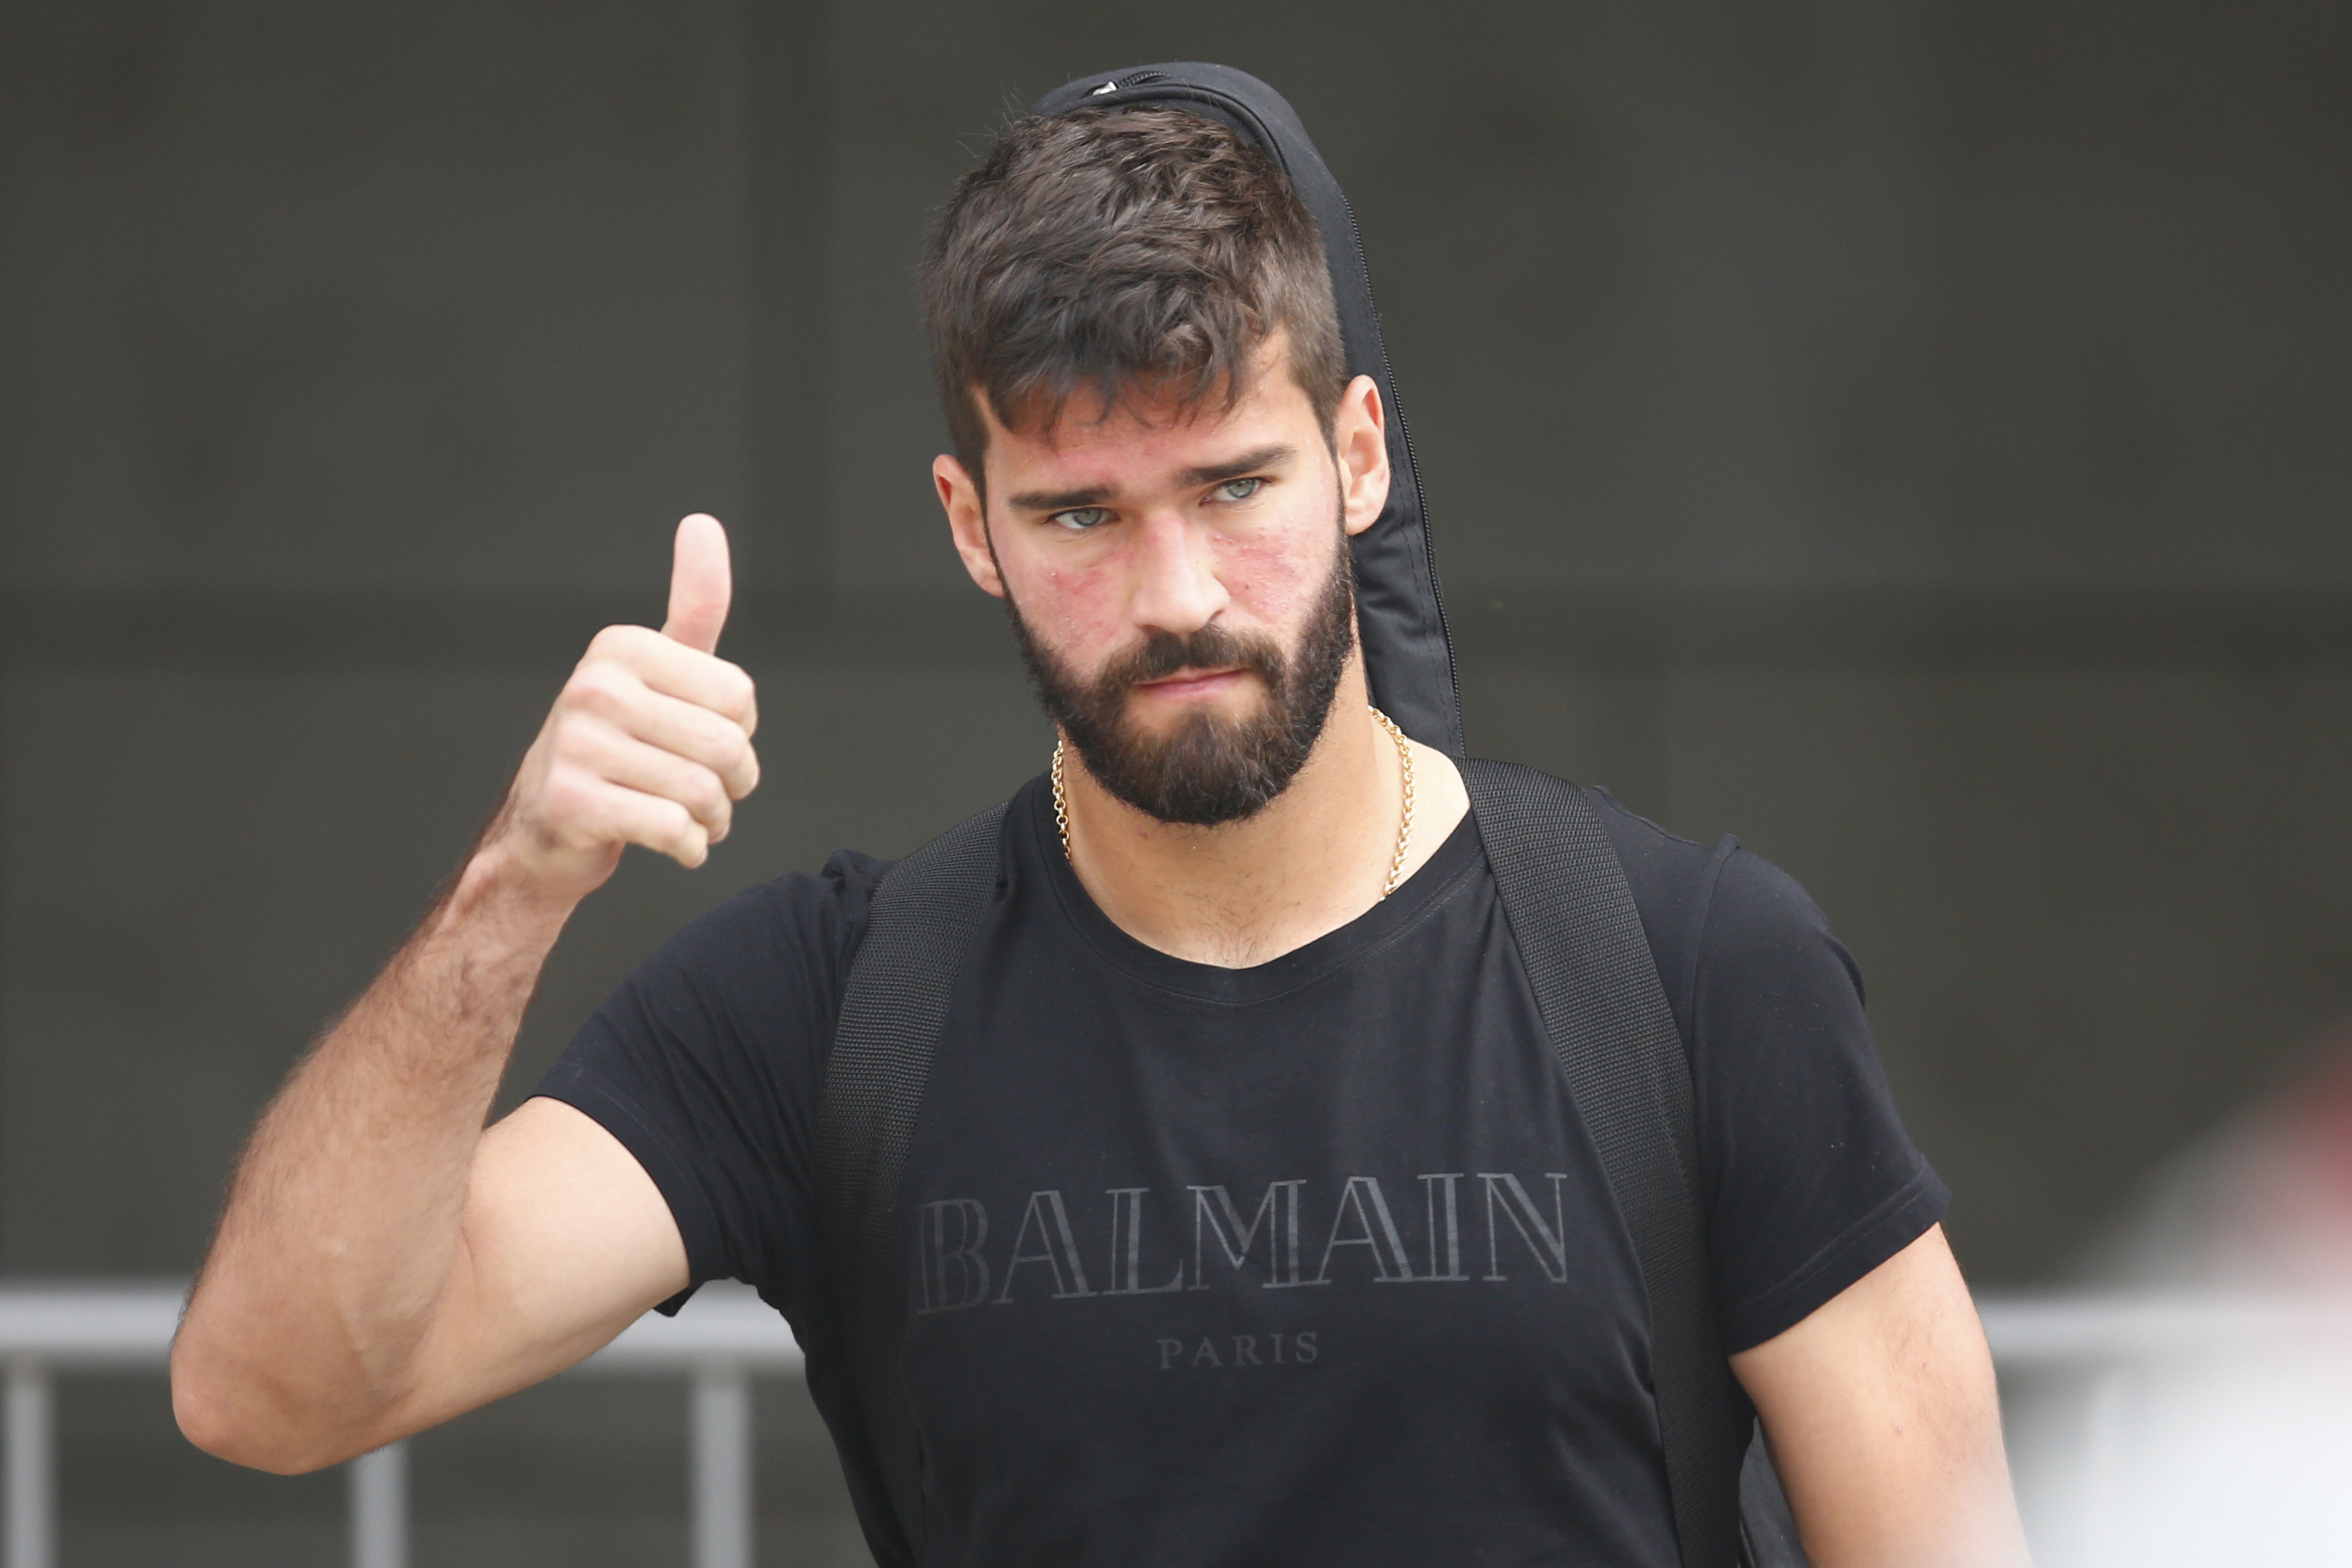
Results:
<point x="502" y="886"/>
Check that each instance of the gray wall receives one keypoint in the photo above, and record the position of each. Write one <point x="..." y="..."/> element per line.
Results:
<point x="1910" y="436"/>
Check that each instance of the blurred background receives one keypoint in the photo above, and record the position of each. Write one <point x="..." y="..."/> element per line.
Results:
<point x="1912" y="436"/>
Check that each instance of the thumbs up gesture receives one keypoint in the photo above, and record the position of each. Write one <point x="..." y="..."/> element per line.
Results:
<point x="649" y="743"/>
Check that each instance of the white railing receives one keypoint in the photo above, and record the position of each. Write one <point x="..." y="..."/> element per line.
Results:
<point x="2119" y="1331"/>
<point x="724" y="1336"/>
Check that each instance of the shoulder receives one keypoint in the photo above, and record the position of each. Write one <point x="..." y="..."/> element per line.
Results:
<point x="1669" y="874"/>
<point x="836" y="898"/>
<point x="1716" y="913"/>
<point x="790" y="937"/>
<point x="1720" y="918"/>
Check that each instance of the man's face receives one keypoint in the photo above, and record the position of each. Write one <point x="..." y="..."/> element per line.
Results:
<point x="1178" y="582"/>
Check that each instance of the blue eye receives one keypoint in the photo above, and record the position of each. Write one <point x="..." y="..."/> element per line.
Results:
<point x="1238" y="490"/>
<point x="1078" y="520"/>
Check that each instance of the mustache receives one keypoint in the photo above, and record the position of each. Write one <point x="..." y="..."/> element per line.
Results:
<point x="1162" y="654"/>
<point x="1212" y="771"/>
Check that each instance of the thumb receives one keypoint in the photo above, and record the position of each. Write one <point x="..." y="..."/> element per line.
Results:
<point x="700" y="583"/>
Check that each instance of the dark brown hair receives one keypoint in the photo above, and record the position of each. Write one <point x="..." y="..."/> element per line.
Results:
<point x="1117" y="251"/>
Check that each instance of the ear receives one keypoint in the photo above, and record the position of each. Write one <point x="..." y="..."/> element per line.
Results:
<point x="1360" y="441"/>
<point x="966" y="522"/>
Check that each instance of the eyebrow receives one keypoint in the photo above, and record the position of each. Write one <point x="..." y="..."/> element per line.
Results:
<point x="1059" y="500"/>
<point x="1247" y="463"/>
<point x="1211" y="474"/>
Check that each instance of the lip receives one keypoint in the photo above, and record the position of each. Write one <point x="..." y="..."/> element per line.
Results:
<point x="1192" y="685"/>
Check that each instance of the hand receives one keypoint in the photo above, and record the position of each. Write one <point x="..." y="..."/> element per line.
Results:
<point x="649" y="743"/>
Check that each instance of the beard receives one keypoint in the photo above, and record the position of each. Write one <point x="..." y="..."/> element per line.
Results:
<point x="1211" y="770"/>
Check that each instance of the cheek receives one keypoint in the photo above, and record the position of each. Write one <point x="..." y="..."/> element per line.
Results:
<point x="1273" y="579"/>
<point x="1077" y="609"/>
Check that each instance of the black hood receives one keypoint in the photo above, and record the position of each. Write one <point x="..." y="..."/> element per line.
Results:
<point x="1406" y="653"/>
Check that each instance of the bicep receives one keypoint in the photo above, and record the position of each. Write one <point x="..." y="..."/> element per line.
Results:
<point x="1882" y="1418"/>
<point x="566" y="1241"/>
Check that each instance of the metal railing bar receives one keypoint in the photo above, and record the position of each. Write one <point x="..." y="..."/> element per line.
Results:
<point x="89" y="1325"/>
<point x="2100" y="1329"/>
<point x="728" y="1335"/>
<point x="379" y="1507"/>
<point x="30" y="1490"/>
<point x="720" y="1419"/>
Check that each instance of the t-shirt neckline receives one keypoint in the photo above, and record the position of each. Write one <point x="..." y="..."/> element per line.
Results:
<point x="1038" y="844"/>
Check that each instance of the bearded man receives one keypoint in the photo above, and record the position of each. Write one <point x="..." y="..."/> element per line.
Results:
<point x="1246" y="1216"/>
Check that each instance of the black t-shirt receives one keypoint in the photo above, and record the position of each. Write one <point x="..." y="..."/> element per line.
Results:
<point x="1307" y="1263"/>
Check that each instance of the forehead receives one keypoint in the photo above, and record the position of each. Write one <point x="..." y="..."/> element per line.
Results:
<point x="1141" y="437"/>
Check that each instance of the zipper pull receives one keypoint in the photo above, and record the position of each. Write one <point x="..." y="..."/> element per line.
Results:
<point x="1138" y="80"/>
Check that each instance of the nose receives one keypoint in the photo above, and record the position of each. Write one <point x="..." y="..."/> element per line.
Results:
<point x="1177" y="589"/>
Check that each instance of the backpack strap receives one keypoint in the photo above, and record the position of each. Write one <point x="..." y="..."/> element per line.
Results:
<point x="895" y="1000"/>
<point x="1596" y="984"/>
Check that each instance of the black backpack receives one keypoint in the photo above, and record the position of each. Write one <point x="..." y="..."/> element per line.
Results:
<point x="1563" y="891"/>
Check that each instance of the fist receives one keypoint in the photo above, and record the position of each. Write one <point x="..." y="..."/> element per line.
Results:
<point x="649" y="743"/>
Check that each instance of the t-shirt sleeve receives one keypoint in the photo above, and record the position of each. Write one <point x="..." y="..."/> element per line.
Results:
<point x="707" y="1063"/>
<point x="1811" y="1181"/>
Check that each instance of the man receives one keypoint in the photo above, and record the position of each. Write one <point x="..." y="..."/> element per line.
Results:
<point x="1247" y="1217"/>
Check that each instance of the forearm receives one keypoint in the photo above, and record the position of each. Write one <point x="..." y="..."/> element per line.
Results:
<point x="343" y="1232"/>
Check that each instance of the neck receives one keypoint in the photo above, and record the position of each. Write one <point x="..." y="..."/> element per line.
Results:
<point x="1245" y="892"/>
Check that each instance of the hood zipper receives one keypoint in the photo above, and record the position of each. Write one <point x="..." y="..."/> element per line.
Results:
<point x="1121" y="83"/>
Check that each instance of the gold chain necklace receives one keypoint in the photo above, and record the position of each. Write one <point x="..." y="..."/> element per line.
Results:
<point x="1404" y="827"/>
